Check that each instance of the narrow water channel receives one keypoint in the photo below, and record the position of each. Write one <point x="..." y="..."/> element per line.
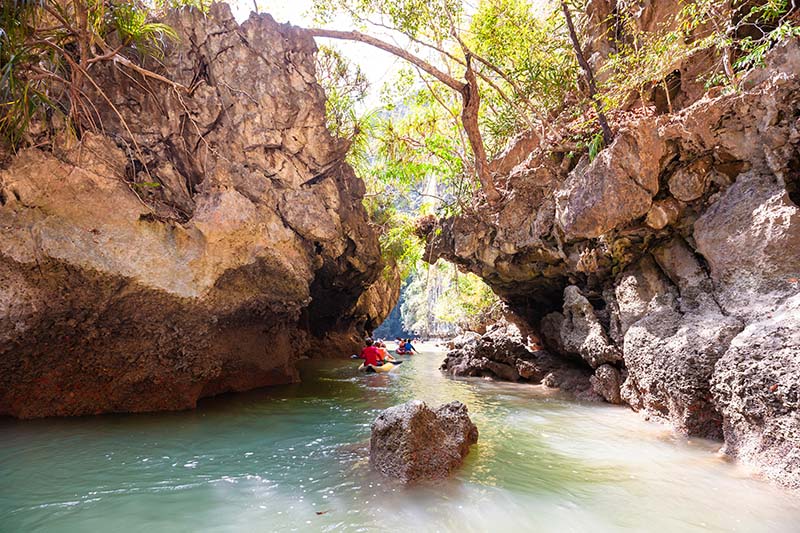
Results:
<point x="292" y="459"/>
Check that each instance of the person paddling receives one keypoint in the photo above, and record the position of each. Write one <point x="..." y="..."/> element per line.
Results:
<point x="370" y="354"/>
<point x="408" y="347"/>
<point x="385" y="355"/>
<point x="400" y="346"/>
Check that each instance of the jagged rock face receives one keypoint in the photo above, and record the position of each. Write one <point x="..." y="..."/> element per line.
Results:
<point x="579" y="332"/>
<point x="606" y="382"/>
<point x="201" y="245"/>
<point x="671" y="351"/>
<point x="757" y="390"/>
<point x="413" y="442"/>
<point x="504" y="352"/>
<point x="677" y="248"/>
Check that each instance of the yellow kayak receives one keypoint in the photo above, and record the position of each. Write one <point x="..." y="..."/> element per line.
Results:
<point x="385" y="367"/>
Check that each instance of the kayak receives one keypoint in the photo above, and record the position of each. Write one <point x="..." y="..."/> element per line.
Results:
<point x="399" y="351"/>
<point x="385" y="367"/>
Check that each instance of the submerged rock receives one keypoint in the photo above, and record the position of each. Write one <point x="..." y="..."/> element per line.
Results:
<point x="201" y="246"/>
<point x="413" y="442"/>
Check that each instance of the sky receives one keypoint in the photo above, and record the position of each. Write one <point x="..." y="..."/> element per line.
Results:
<point x="377" y="65"/>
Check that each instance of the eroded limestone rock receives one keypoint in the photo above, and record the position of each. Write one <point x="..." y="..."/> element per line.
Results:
<point x="201" y="246"/>
<point x="413" y="442"/>
<point x="756" y="386"/>
<point x="617" y="187"/>
<point x="689" y="182"/>
<point x="505" y="353"/>
<point x="682" y="238"/>
<point x="580" y="332"/>
<point x="606" y="382"/>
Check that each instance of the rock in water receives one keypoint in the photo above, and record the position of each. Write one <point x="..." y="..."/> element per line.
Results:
<point x="756" y="386"/>
<point x="412" y="441"/>
<point x="505" y="353"/>
<point x="606" y="382"/>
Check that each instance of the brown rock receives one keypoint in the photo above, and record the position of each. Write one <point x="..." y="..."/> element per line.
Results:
<point x="120" y="295"/>
<point x="616" y="188"/>
<point x="640" y="289"/>
<point x="757" y="391"/>
<point x="503" y="352"/>
<point x="689" y="182"/>
<point x="670" y="353"/>
<point x="663" y="213"/>
<point x="750" y="239"/>
<point x="581" y="333"/>
<point x="413" y="442"/>
<point x="606" y="382"/>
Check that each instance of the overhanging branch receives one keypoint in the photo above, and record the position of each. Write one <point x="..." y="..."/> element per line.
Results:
<point x="392" y="49"/>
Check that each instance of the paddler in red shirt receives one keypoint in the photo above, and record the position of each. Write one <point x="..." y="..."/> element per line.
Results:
<point x="370" y="354"/>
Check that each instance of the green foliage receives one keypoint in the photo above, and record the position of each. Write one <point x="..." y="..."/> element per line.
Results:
<point x="519" y="52"/>
<point x="411" y="155"/>
<point x="345" y="87"/>
<point x="412" y="152"/>
<point x="416" y="18"/>
<point x="646" y="58"/>
<point x="400" y="244"/>
<point x="133" y="29"/>
<point x="595" y="145"/>
<point x="439" y="300"/>
<point x="48" y="47"/>
<point x="21" y="96"/>
<point x="468" y="303"/>
<point x="772" y="26"/>
<point x="529" y="43"/>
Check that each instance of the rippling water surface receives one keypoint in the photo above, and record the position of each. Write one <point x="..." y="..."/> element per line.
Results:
<point x="293" y="459"/>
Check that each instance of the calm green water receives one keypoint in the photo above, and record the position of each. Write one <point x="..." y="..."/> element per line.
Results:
<point x="292" y="459"/>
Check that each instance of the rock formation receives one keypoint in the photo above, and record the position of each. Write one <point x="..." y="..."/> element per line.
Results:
<point x="202" y="243"/>
<point x="669" y="264"/>
<point x="505" y="353"/>
<point x="413" y="442"/>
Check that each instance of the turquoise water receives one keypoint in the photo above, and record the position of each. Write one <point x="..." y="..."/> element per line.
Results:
<point x="293" y="459"/>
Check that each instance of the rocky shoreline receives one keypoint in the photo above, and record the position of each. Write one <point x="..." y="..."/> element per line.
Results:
<point x="678" y="286"/>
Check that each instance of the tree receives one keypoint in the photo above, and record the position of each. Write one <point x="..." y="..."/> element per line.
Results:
<point x="587" y="71"/>
<point x="345" y="87"/>
<point x="469" y="90"/>
<point x="49" y="48"/>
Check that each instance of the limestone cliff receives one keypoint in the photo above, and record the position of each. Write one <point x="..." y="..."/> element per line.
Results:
<point x="201" y="243"/>
<point x="671" y="261"/>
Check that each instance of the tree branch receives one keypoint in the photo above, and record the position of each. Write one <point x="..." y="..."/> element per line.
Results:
<point x="469" y="118"/>
<point x="608" y="136"/>
<point x="470" y="94"/>
<point x="392" y="49"/>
